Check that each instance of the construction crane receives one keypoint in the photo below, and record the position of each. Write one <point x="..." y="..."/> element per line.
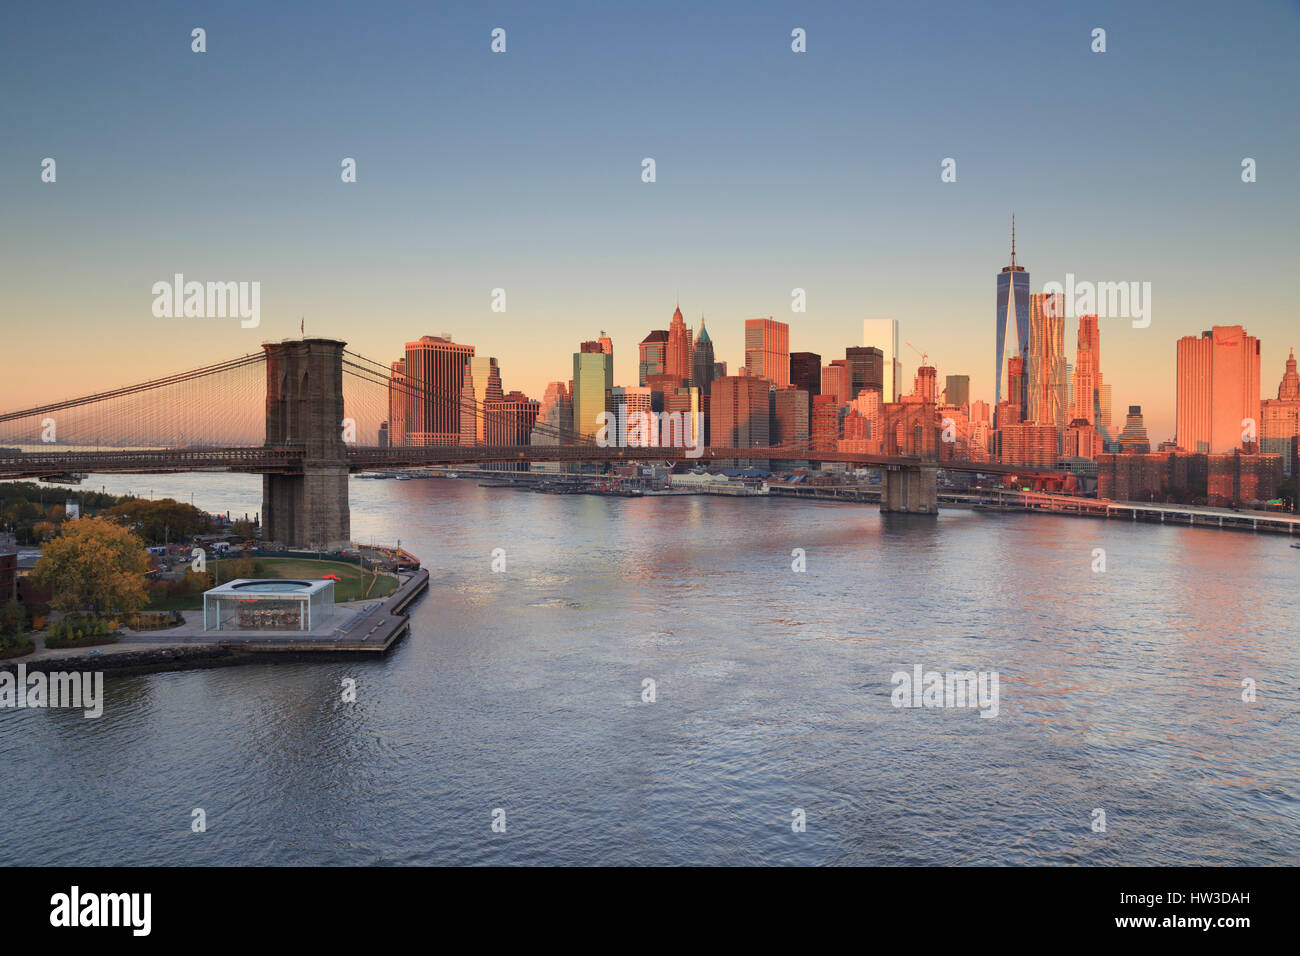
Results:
<point x="925" y="356"/>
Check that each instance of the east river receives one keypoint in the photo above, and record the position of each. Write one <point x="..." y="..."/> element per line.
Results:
<point x="522" y="690"/>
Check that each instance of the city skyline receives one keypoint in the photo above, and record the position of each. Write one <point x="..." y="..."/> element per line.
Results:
<point x="446" y="209"/>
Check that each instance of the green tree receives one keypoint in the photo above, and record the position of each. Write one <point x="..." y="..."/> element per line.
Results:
<point x="94" y="564"/>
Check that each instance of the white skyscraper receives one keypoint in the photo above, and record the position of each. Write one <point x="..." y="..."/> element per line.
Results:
<point x="883" y="334"/>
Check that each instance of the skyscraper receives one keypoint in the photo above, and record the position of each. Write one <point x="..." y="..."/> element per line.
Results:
<point x="510" y="419"/>
<point x="653" y="355"/>
<point x="435" y="374"/>
<point x="397" y="398"/>
<point x="835" y="382"/>
<point x="1134" y="436"/>
<point x="482" y="384"/>
<point x="790" y="407"/>
<point x="1218" y="389"/>
<point x="1087" y="372"/>
<point x="806" y="371"/>
<point x="866" y="369"/>
<point x="956" y="389"/>
<point x="824" y="422"/>
<point x="702" y="360"/>
<point x="883" y="334"/>
<point x="739" y="412"/>
<point x="1016" y="386"/>
<point x="626" y="404"/>
<point x="593" y="378"/>
<point x="678" y="359"/>
<point x="554" y="424"/>
<point x="1279" y="427"/>
<point x="1012" y="319"/>
<point x="767" y="350"/>
<point x="1045" y="365"/>
<point x="924" y="385"/>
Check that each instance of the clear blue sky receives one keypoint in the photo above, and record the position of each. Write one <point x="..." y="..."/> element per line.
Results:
<point x="775" y="170"/>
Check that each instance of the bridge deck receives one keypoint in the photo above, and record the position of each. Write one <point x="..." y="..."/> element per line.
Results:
<point x="287" y="459"/>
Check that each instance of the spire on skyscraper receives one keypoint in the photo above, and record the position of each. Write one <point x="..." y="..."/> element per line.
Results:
<point x="1289" y="389"/>
<point x="1013" y="241"/>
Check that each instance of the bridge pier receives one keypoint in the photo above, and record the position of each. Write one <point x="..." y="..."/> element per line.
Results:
<point x="304" y="406"/>
<point x="913" y="490"/>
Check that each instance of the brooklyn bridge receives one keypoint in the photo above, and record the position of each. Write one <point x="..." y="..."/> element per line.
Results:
<point x="305" y="413"/>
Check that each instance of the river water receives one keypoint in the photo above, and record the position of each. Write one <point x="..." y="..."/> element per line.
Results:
<point x="521" y="690"/>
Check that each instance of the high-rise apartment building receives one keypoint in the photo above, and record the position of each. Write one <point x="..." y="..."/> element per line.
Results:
<point x="435" y="375"/>
<point x="1028" y="443"/>
<point x="767" y="350"/>
<point x="1218" y="390"/>
<point x="1134" y="436"/>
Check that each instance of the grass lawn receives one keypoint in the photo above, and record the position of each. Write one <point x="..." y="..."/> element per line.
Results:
<point x="178" y="602"/>
<point x="355" y="584"/>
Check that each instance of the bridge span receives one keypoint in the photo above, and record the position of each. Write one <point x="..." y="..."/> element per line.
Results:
<point x="305" y="461"/>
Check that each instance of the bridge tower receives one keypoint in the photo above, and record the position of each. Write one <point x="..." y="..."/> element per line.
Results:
<point x="304" y="406"/>
<point x="911" y="490"/>
<point x="910" y="430"/>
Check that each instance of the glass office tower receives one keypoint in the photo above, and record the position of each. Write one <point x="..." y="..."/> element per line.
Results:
<point x="1012" y="319"/>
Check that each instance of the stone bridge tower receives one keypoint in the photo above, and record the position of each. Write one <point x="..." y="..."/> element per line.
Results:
<point x="910" y="430"/>
<point x="304" y="407"/>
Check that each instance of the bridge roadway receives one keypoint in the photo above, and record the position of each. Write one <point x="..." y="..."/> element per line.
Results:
<point x="288" y="459"/>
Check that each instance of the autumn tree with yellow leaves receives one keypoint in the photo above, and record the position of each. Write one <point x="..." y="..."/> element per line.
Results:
<point x="94" y="565"/>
